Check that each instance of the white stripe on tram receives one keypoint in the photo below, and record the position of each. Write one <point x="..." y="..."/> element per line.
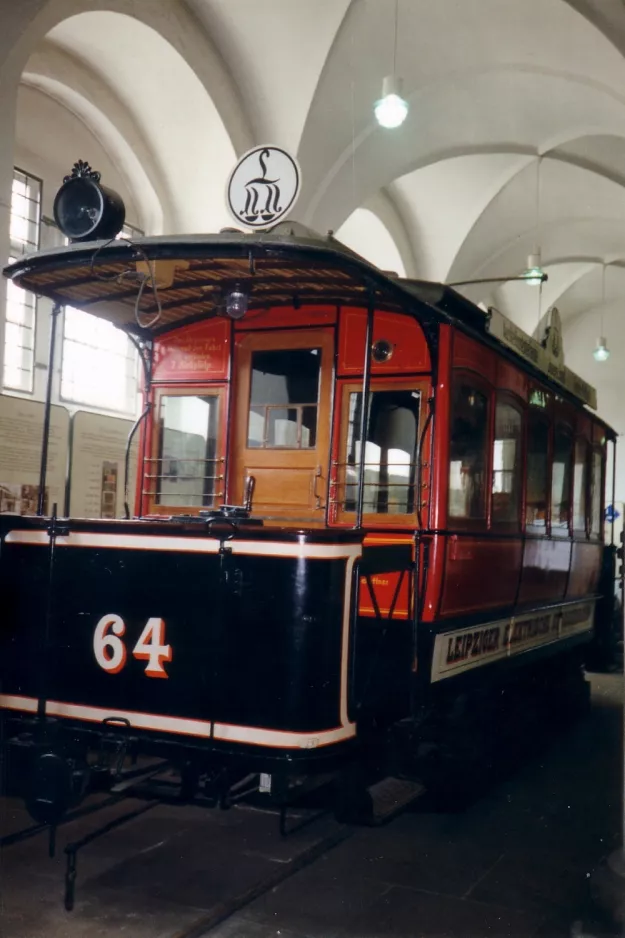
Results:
<point x="282" y="739"/>
<point x="188" y="544"/>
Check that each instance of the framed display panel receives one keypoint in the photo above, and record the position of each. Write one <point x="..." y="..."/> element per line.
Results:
<point x="21" y="433"/>
<point x="97" y="466"/>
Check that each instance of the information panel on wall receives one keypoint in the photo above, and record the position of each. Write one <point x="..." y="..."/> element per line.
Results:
<point x="21" y="434"/>
<point x="97" y="466"/>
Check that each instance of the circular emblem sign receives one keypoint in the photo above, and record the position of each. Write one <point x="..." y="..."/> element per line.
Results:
<point x="263" y="187"/>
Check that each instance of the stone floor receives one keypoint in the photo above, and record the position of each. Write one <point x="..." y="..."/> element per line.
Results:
<point x="515" y="863"/>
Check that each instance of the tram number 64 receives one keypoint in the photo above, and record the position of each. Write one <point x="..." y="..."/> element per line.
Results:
<point x="110" y="652"/>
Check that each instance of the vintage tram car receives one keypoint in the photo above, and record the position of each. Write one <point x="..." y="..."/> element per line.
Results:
<point x="364" y="508"/>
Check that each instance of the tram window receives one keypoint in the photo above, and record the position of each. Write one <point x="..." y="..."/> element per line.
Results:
<point x="537" y="472"/>
<point x="187" y="465"/>
<point x="507" y="463"/>
<point x="467" y="454"/>
<point x="390" y="452"/>
<point x="580" y="485"/>
<point x="596" y="486"/>
<point x="284" y="398"/>
<point x="561" y="480"/>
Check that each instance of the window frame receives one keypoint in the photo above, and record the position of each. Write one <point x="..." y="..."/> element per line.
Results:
<point x="582" y="533"/>
<point x="29" y="392"/>
<point x="153" y="444"/>
<point x="344" y="389"/>
<point x="561" y="531"/>
<point x="545" y="416"/>
<point x="504" y="396"/>
<point x="598" y="450"/>
<point x="481" y="384"/>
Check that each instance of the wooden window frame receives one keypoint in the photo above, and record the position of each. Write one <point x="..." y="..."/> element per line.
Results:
<point x="150" y="484"/>
<point x="545" y="415"/>
<point x="345" y="388"/>
<point x="484" y="387"/>
<point x="596" y="449"/>
<point x="567" y="530"/>
<point x="504" y="396"/>
<point x="582" y="533"/>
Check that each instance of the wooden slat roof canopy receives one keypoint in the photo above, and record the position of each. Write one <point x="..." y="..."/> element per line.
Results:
<point x="194" y="273"/>
<point x="286" y="265"/>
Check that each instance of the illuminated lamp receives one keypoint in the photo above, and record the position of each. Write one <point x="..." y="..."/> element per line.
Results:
<point x="534" y="273"/>
<point x="601" y="352"/>
<point x="84" y="210"/>
<point x="391" y="109"/>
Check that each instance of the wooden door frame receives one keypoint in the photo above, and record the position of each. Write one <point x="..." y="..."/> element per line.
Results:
<point x="283" y="340"/>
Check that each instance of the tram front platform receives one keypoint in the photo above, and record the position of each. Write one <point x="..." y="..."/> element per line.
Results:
<point x="516" y="862"/>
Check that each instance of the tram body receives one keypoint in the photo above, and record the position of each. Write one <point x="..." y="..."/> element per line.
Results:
<point x="282" y="591"/>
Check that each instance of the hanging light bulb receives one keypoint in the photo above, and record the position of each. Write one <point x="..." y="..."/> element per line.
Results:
<point x="391" y="109"/>
<point x="534" y="273"/>
<point x="601" y="352"/>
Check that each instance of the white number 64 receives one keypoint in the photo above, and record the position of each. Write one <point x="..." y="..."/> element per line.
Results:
<point x="110" y="651"/>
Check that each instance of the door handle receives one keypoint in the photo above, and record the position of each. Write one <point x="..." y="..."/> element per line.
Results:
<point x="318" y="475"/>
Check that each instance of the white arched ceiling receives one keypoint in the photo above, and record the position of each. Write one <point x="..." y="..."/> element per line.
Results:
<point x="40" y="116"/>
<point x="275" y="51"/>
<point x="174" y="90"/>
<point x="89" y="102"/>
<point x="366" y="234"/>
<point x="502" y="83"/>
<point x="177" y="118"/>
<point x="442" y="201"/>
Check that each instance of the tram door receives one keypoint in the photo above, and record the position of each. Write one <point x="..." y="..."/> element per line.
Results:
<point x="283" y="391"/>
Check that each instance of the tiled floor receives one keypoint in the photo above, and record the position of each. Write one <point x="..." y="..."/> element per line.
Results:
<point x="516" y="863"/>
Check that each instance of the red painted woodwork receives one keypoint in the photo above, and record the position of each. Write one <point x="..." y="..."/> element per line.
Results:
<point x="546" y="564"/>
<point x="467" y="353"/>
<point x="510" y="378"/>
<point x="200" y="352"/>
<point x="585" y="566"/>
<point x="280" y="317"/>
<point x="480" y="573"/>
<point x="384" y="587"/>
<point x="410" y="352"/>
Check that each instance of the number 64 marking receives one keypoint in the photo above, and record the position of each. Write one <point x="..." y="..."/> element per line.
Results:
<point x="110" y="651"/>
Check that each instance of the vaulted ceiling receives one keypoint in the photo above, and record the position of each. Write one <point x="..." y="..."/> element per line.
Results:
<point x="515" y="134"/>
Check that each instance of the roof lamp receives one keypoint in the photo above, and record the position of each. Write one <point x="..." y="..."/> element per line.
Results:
<point x="534" y="274"/>
<point x="391" y="110"/>
<point x="236" y="303"/>
<point x="601" y="352"/>
<point x="84" y="210"/>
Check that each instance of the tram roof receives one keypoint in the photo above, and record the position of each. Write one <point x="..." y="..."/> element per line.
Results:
<point x="288" y="264"/>
<point x="194" y="272"/>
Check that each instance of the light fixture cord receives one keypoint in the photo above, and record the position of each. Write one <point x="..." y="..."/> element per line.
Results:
<point x="538" y="162"/>
<point x="395" y="40"/>
<point x="602" y="294"/>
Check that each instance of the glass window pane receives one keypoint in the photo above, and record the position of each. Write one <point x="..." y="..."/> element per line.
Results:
<point x="467" y="455"/>
<point x="21" y="308"/>
<point x="100" y="366"/>
<point x="507" y="463"/>
<point x="187" y="467"/>
<point x="580" y="478"/>
<point x="537" y="472"/>
<point x="390" y="452"/>
<point x="561" y="479"/>
<point x="596" y="488"/>
<point x="281" y="378"/>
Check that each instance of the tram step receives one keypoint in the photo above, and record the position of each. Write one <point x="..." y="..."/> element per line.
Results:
<point x="391" y="795"/>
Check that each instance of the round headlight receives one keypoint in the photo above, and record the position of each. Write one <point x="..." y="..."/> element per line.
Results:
<point x="85" y="210"/>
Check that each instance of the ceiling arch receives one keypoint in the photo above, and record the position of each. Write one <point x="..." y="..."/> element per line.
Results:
<point x="192" y="160"/>
<point x="70" y="81"/>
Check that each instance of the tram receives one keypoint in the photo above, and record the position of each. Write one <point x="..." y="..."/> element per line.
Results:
<point x="364" y="508"/>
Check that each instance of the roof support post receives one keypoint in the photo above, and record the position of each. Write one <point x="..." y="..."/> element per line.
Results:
<point x="56" y="309"/>
<point x="364" y="412"/>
